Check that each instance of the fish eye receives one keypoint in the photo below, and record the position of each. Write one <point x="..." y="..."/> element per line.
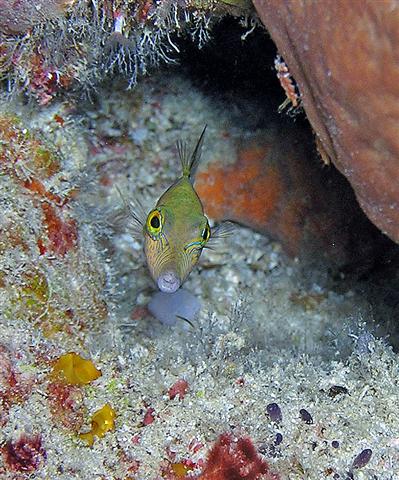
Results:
<point x="154" y="222"/>
<point x="206" y="233"/>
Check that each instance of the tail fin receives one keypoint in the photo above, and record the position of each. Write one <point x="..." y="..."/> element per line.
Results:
<point x="190" y="163"/>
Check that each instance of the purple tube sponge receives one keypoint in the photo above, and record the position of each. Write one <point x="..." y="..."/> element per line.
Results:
<point x="169" y="307"/>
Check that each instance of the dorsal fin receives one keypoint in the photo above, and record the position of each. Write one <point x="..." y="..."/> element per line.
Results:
<point x="190" y="163"/>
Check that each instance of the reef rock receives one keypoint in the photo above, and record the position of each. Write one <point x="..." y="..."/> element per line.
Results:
<point x="343" y="56"/>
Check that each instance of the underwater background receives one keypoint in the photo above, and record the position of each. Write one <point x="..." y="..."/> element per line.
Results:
<point x="290" y="368"/>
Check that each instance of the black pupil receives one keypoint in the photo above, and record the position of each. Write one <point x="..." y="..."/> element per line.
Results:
<point x="205" y="233"/>
<point x="155" y="223"/>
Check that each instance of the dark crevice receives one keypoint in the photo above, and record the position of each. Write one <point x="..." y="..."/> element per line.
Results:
<point x="229" y="69"/>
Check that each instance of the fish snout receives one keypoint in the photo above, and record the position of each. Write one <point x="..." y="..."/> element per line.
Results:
<point x="168" y="282"/>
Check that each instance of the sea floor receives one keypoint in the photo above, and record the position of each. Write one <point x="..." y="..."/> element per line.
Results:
<point x="269" y="330"/>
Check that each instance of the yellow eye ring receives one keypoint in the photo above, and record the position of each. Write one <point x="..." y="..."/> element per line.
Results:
<point x="206" y="233"/>
<point x="154" y="222"/>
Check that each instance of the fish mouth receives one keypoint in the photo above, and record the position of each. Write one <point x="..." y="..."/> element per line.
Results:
<point x="168" y="282"/>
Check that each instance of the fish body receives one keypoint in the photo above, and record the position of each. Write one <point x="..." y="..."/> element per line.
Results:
<point x="176" y="230"/>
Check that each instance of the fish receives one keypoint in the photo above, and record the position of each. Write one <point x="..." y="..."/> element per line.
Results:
<point x="176" y="230"/>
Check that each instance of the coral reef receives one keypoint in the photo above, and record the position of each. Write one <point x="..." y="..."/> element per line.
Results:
<point x="344" y="61"/>
<point x="40" y="232"/>
<point x="46" y="47"/>
<point x="270" y="343"/>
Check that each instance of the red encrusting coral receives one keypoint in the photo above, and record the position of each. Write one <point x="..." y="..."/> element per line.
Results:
<point x="36" y="186"/>
<point x="66" y="405"/>
<point x="45" y="81"/>
<point x="28" y="161"/>
<point x="62" y="235"/>
<point x="179" y="389"/>
<point x="195" y="445"/>
<point x="25" y="156"/>
<point x="235" y="459"/>
<point x="41" y="246"/>
<point x="24" y="455"/>
<point x="130" y="465"/>
<point x="149" y="416"/>
<point x="14" y="386"/>
<point x="18" y="17"/>
<point x="24" y="153"/>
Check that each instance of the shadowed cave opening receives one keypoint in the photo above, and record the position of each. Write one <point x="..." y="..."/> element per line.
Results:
<point x="242" y="73"/>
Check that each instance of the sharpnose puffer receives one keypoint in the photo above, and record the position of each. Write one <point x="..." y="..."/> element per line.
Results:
<point x="176" y="230"/>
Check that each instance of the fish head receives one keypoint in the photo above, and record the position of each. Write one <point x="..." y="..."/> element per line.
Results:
<point x="173" y="244"/>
